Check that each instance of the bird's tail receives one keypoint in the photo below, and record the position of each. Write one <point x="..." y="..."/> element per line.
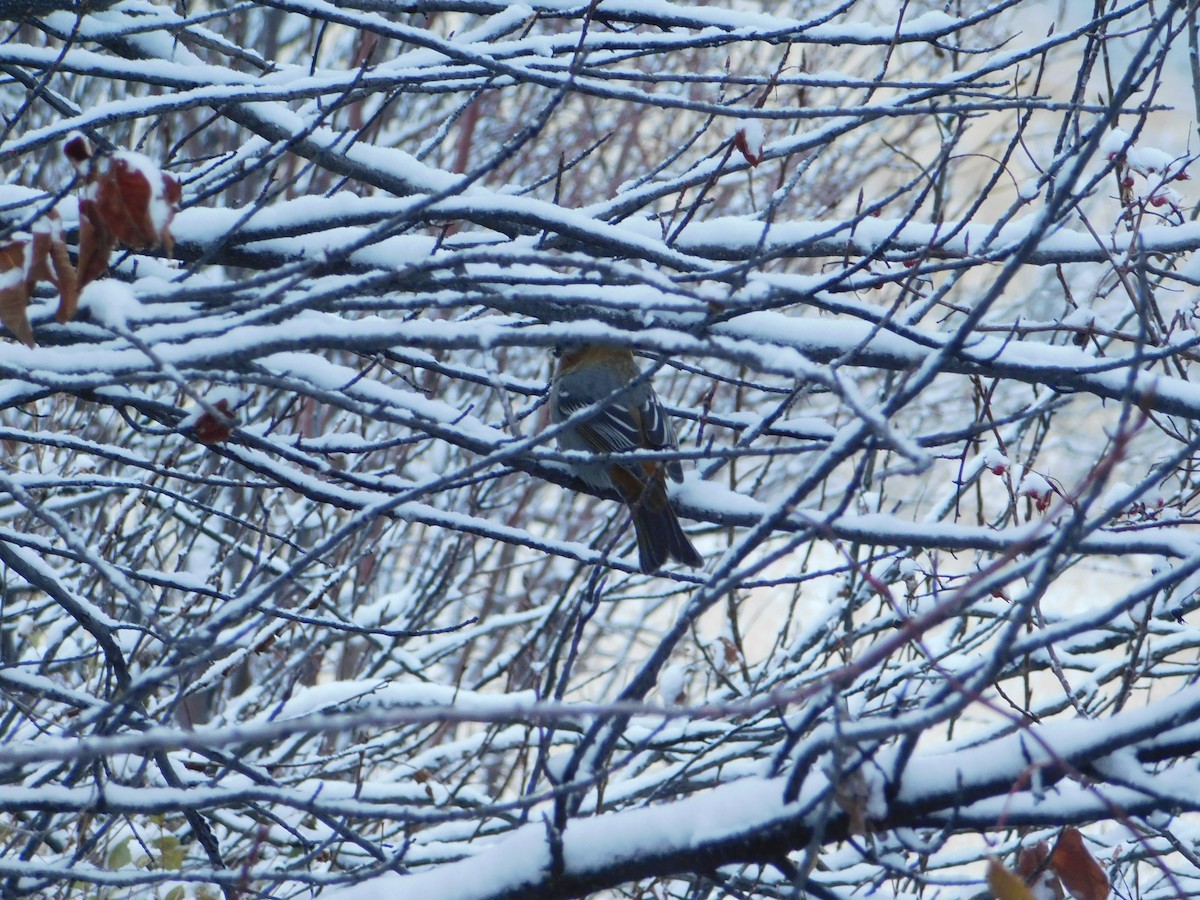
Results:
<point x="660" y="537"/>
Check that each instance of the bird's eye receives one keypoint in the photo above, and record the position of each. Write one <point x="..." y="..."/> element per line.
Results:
<point x="556" y="351"/>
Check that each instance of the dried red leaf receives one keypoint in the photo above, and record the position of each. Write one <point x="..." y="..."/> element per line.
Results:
<point x="52" y="263"/>
<point x="16" y="289"/>
<point x="66" y="280"/>
<point x="1031" y="860"/>
<point x="213" y="429"/>
<point x="77" y="149"/>
<point x="172" y="196"/>
<point x="1078" y="869"/>
<point x="731" y="654"/>
<point x="96" y="245"/>
<point x="12" y="255"/>
<point x="127" y="200"/>
<point x="25" y="262"/>
<point x="1033" y="864"/>
<point x="753" y="155"/>
<point x="122" y="201"/>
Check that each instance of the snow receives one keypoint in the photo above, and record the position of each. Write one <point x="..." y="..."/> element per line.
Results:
<point x="1115" y="141"/>
<point x="1032" y="484"/>
<point x="726" y="236"/>
<point x="671" y="683"/>
<point x="110" y="302"/>
<point x="714" y="498"/>
<point x="11" y="278"/>
<point x="995" y="460"/>
<point x="1080" y="317"/>
<point x="1145" y="159"/>
<point x="751" y="132"/>
<point x="350" y="694"/>
<point x="521" y="858"/>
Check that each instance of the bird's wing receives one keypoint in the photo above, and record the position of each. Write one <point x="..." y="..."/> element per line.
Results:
<point x="659" y="434"/>
<point x="613" y="429"/>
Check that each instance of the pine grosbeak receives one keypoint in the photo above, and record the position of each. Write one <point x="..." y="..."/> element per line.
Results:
<point x="630" y="419"/>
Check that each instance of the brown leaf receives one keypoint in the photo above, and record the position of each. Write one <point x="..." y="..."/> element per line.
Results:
<point x="25" y="262"/>
<point x="128" y="200"/>
<point x="77" y="149"/>
<point x="52" y="263"/>
<point x="15" y="290"/>
<point x="1077" y="868"/>
<point x="731" y="655"/>
<point x="135" y="200"/>
<point x="1033" y="864"/>
<point x="753" y="154"/>
<point x="1030" y="860"/>
<point x="172" y="196"/>
<point x="1006" y="885"/>
<point x="95" y="245"/>
<point x="123" y="203"/>
<point x="66" y="280"/>
<point x="95" y="240"/>
<point x="211" y="429"/>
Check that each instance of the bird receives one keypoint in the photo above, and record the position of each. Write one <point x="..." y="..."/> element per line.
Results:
<point x="629" y="417"/>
